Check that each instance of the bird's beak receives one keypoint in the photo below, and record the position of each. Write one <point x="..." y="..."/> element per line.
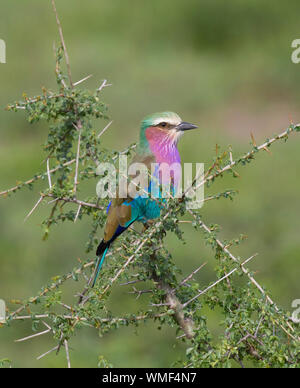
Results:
<point x="184" y="126"/>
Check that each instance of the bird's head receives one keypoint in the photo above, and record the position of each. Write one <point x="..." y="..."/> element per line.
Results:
<point x="163" y="127"/>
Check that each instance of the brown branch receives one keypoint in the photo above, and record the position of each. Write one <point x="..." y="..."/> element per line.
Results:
<point x="186" y="324"/>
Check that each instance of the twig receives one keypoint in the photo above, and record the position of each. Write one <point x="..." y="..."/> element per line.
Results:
<point x="103" y="85"/>
<point x="33" y="335"/>
<point x="78" y="211"/>
<point x="45" y="354"/>
<point x="138" y="293"/>
<point x="66" y="306"/>
<point x="77" y="158"/>
<point x="217" y="282"/>
<point x="83" y="79"/>
<point x="99" y="319"/>
<point x="48" y="173"/>
<point x="34" y="207"/>
<point x="259" y="323"/>
<point x="105" y="128"/>
<point x="191" y="275"/>
<point x="46" y="324"/>
<point x="63" y="44"/>
<point x="77" y="201"/>
<point x="130" y="282"/>
<point x="67" y="353"/>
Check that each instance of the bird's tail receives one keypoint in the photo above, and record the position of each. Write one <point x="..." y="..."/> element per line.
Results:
<point x="101" y="253"/>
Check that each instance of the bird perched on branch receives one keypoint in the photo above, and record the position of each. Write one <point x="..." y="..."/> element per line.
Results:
<point x="159" y="135"/>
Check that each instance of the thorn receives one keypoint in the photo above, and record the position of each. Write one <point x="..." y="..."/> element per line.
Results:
<point x="33" y="209"/>
<point x="77" y="214"/>
<point x="103" y="85"/>
<point x="253" y="140"/>
<point x="83" y="79"/>
<point x="33" y="335"/>
<point x="104" y="129"/>
<point x="266" y="149"/>
<point x="48" y="173"/>
<point x="44" y="354"/>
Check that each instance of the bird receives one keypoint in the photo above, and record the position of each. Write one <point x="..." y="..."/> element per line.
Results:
<point x="159" y="136"/>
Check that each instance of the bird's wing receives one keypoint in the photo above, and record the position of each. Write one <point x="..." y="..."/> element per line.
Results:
<point x="120" y="212"/>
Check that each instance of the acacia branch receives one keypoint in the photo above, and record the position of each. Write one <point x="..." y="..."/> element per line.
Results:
<point x="74" y="200"/>
<point x="249" y="155"/>
<point x="28" y="182"/>
<point x="217" y="282"/>
<point x="186" y="324"/>
<point x="247" y="272"/>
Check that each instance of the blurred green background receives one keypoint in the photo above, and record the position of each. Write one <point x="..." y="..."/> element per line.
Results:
<point x="225" y="65"/>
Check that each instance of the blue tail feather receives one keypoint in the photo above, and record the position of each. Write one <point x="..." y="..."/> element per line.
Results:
<point x="103" y="248"/>
<point x="99" y="265"/>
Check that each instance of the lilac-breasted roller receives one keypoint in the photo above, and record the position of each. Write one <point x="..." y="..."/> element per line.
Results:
<point x="159" y="135"/>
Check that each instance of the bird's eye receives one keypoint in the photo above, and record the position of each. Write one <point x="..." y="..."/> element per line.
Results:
<point x="163" y="124"/>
